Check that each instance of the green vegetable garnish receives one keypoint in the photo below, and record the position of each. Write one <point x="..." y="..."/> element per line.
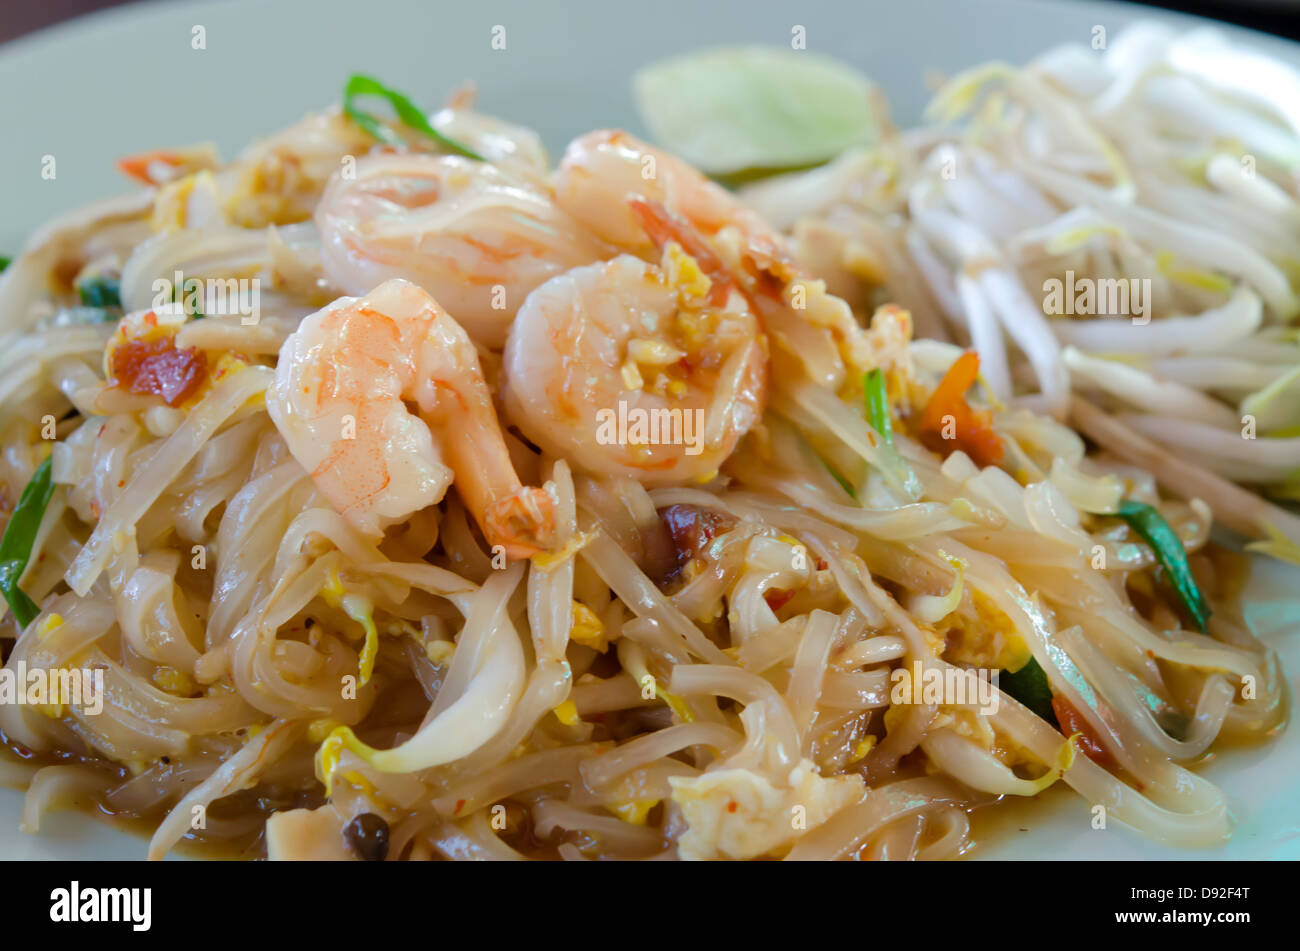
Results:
<point x="20" y="535"/>
<point x="4" y="262"/>
<point x="1164" y="541"/>
<point x="408" y="112"/>
<point x="101" y="292"/>
<point x="878" y="405"/>
<point x="732" y="109"/>
<point x="844" y="483"/>
<point x="1029" y="686"/>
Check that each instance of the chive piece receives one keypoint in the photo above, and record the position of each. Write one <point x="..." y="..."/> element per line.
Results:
<point x="873" y="385"/>
<point x="4" y="262"/>
<point x="101" y="291"/>
<point x="20" y="535"/>
<point x="844" y="483"/>
<point x="408" y="112"/>
<point x="1029" y="686"/>
<point x="1164" y="541"/>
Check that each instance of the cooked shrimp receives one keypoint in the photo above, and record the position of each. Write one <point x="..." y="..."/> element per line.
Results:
<point x="631" y="369"/>
<point x="476" y="236"/>
<point x="339" y="401"/>
<point x="501" y="143"/>
<point x="602" y="169"/>
<point x="631" y="195"/>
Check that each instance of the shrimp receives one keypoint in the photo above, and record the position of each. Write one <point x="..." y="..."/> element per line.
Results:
<point x="338" y="399"/>
<point x="602" y="169"/>
<point x="501" y="143"/>
<point x="476" y="236"/>
<point x="631" y="195"/>
<point x="637" y="370"/>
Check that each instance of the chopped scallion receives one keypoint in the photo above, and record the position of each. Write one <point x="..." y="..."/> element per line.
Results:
<point x="101" y="291"/>
<point x="1029" y="686"/>
<point x="878" y="405"/>
<point x="1147" y="521"/>
<point x="408" y="112"/>
<point x="19" y="537"/>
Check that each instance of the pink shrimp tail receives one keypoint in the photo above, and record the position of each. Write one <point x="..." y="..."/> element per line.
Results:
<point x="523" y="522"/>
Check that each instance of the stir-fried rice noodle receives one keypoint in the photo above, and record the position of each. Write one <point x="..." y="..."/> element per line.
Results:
<point x="638" y="651"/>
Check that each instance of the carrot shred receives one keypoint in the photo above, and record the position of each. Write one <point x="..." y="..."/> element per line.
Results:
<point x="972" y="430"/>
<point x="137" y="166"/>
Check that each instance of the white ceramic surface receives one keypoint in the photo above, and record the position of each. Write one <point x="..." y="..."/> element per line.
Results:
<point x="97" y="88"/>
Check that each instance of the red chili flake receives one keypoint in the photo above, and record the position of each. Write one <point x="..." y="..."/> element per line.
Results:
<point x="460" y="804"/>
<point x="1072" y="721"/>
<point x="777" y="598"/>
<point x="733" y="806"/>
<point x="157" y="368"/>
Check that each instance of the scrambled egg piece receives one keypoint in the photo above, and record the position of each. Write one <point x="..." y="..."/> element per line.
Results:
<point x="977" y="728"/>
<point x="634" y="812"/>
<point x="567" y="713"/>
<point x="987" y="640"/>
<point x="967" y="723"/>
<point x="740" y="814"/>
<point x="587" y="628"/>
<point x="49" y="623"/>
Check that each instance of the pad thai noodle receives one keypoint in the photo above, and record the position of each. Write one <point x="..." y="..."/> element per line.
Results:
<point x="398" y="493"/>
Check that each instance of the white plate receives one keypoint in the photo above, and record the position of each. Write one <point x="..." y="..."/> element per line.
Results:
<point x="129" y="79"/>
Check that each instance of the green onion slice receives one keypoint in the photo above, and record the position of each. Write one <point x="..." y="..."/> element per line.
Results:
<point x="1164" y="541"/>
<point x="1029" y="686"/>
<point x="408" y="112"/>
<point x="878" y="405"/>
<point x="20" y="535"/>
<point x="101" y="291"/>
